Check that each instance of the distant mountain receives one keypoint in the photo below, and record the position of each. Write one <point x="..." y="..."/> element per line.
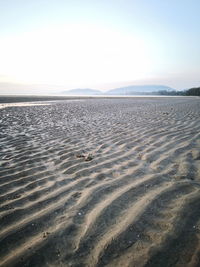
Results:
<point x="138" y="89"/>
<point x="85" y="91"/>
<point x="129" y="90"/>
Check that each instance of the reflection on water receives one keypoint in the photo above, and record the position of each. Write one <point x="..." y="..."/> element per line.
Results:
<point x="23" y="104"/>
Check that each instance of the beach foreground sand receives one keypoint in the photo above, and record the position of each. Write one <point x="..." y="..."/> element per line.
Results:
<point x="101" y="182"/>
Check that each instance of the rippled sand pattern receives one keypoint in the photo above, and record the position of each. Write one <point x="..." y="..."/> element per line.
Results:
<point x="101" y="182"/>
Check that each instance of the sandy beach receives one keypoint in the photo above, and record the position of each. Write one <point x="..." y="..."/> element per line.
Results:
<point x="101" y="182"/>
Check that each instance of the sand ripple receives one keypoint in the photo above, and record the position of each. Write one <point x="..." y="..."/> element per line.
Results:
<point x="101" y="182"/>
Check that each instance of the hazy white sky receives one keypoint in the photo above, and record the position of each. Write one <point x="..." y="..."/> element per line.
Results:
<point x="50" y="44"/>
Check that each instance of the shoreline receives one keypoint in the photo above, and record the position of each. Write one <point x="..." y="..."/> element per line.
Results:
<point x="33" y="98"/>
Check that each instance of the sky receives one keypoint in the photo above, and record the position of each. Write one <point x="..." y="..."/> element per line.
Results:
<point x="50" y="45"/>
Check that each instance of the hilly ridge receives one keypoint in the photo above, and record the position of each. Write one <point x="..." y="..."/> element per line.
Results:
<point x="139" y="89"/>
<point x="128" y="90"/>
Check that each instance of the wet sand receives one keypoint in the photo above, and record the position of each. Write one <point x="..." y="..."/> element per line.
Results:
<point x="101" y="182"/>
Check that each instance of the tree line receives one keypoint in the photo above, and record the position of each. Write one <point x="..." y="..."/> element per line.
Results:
<point x="189" y="92"/>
